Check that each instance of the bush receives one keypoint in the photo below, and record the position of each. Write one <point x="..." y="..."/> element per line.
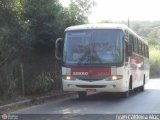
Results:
<point x="154" y="62"/>
<point x="9" y="81"/>
<point x="43" y="83"/>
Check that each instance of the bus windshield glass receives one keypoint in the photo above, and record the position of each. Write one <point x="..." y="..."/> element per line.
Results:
<point x="91" y="47"/>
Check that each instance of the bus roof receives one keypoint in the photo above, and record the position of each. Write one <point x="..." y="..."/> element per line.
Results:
<point x="96" y="26"/>
<point x="103" y="26"/>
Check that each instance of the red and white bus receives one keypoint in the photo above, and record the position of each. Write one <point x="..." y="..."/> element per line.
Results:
<point x="103" y="58"/>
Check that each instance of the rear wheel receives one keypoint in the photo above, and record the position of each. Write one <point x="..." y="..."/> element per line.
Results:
<point x="82" y="94"/>
<point x="141" y="88"/>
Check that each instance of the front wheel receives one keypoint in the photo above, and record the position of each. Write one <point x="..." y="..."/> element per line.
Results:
<point x="82" y="94"/>
<point x="125" y="94"/>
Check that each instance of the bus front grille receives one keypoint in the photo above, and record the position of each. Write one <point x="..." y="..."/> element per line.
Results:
<point x="91" y="86"/>
<point x="90" y="78"/>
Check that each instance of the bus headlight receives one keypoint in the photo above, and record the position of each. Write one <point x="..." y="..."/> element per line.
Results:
<point x="68" y="77"/>
<point x="116" y="77"/>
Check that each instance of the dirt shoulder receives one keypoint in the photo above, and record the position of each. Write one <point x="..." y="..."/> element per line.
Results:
<point x="22" y="102"/>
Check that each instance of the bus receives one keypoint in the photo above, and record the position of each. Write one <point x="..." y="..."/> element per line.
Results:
<point x="103" y="58"/>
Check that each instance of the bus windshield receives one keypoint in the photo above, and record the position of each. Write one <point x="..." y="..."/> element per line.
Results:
<point x="93" y="47"/>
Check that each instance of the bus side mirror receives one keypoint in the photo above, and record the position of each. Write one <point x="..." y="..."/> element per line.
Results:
<point x="130" y="52"/>
<point x="59" y="48"/>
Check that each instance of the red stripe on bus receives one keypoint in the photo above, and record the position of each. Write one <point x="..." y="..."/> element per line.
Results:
<point x="91" y="71"/>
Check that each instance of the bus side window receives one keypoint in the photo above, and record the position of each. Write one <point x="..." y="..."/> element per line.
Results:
<point x="143" y="49"/>
<point x="131" y="40"/>
<point x="138" y="46"/>
<point x="135" y="45"/>
<point x="126" y="51"/>
<point x="147" y="51"/>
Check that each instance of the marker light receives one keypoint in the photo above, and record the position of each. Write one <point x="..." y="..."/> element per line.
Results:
<point x="114" y="77"/>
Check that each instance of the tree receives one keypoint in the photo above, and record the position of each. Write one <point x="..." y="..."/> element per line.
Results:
<point x="42" y="18"/>
<point x="10" y="45"/>
<point x="27" y="31"/>
<point x="10" y="31"/>
<point x="78" y="11"/>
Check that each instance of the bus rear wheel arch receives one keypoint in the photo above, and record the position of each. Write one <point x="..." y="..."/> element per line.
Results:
<point x="130" y="83"/>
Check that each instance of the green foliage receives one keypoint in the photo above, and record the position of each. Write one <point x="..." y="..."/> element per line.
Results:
<point x="78" y="11"/>
<point x="154" y="55"/>
<point x="43" y="83"/>
<point x="10" y="46"/>
<point x="154" y="61"/>
<point x="28" y="29"/>
<point x="42" y="21"/>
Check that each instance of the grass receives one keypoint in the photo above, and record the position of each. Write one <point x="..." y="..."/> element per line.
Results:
<point x="154" y="62"/>
<point x="154" y="55"/>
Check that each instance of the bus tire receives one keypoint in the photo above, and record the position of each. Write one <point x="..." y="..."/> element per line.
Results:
<point x="141" y="88"/>
<point x="125" y="94"/>
<point x="130" y="84"/>
<point x="82" y="94"/>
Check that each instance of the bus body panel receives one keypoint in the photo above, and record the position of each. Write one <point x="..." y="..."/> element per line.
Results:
<point x="137" y="70"/>
<point x="134" y="70"/>
<point x="105" y="85"/>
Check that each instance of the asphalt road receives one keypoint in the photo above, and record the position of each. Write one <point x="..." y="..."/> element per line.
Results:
<point x="147" y="102"/>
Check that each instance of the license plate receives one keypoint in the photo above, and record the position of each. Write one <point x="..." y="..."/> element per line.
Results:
<point x="91" y="90"/>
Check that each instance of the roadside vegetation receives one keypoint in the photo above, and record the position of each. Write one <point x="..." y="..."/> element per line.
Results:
<point x="28" y="30"/>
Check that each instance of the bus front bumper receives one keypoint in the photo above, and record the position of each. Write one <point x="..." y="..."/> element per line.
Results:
<point x="96" y="86"/>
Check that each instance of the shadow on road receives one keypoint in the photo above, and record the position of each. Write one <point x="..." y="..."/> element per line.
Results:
<point x="113" y="96"/>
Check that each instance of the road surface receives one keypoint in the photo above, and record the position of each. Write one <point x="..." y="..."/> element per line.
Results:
<point x="147" y="102"/>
